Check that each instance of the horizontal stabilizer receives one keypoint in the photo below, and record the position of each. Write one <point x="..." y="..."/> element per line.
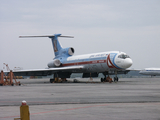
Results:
<point x="50" y="36"/>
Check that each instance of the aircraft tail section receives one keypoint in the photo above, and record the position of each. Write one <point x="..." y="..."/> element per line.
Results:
<point x="56" y="45"/>
<point x="57" y="48"/>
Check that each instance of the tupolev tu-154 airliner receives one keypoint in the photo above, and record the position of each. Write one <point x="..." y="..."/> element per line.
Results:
<point x="64" y="63"/>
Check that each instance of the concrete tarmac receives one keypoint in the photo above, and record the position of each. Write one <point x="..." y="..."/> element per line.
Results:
<point x="128" y="99"/>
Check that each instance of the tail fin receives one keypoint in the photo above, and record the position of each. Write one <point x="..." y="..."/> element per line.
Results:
<point x="56" y="45"/>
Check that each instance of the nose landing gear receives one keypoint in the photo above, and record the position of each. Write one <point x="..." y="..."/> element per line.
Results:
<point x="116" y="79"/>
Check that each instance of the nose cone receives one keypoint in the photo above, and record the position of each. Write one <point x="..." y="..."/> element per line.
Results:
<point x="128" y="63"/>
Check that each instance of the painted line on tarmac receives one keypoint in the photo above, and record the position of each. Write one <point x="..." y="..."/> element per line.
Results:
<point x="53" y="103"/>
<point x="70" y="109"/>
<point x="58" y="110"/>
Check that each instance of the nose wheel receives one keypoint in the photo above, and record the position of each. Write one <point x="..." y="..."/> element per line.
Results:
<point x="116" y="79"/>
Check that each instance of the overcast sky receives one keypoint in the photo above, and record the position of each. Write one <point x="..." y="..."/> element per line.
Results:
<point x="131" y="26"/>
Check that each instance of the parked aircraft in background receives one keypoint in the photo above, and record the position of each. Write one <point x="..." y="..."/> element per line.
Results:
<point x="64" y="63"/>
<point x="150" y="71"/>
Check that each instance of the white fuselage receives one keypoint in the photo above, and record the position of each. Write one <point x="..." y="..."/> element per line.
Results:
<point x="150" y="71"/>
<point x="99" y="62"/>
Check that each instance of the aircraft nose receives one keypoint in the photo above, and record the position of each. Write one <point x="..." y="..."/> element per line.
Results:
<point x="128" y="62"/>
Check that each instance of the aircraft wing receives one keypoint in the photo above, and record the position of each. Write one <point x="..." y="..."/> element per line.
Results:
<point x="47" y="71"/>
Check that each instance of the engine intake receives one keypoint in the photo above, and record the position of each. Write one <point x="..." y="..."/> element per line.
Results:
<point x="71" y="51"/>
<point x="67" y="51"/>
<point x="54" y="63"/>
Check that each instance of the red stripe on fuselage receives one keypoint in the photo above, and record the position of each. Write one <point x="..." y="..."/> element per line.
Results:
<point x="84" y="63"/>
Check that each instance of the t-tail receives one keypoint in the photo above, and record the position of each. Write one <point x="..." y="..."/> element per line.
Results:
<point x="57" y="48"/>
<point x="56" y="45"/>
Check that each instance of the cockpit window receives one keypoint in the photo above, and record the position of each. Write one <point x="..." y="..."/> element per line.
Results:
<point x="123" y="56"/>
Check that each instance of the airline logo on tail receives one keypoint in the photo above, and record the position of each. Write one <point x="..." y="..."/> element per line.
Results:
<point x="55" y="46"/>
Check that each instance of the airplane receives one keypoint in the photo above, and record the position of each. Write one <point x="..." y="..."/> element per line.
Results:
<point x="64" y="63"/>
<point x="150" y="71"/>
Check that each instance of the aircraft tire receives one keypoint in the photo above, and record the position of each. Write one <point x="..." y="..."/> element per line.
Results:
<point x="51" y="80"/>
<point x="102" y="80"/>
<point x="115" y="79"/>
<point x="75" y="80"/>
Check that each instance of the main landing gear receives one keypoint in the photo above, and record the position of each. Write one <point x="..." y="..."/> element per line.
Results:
<point x="56" y="79"/>
<point x="108" y="79"/>
<point x="51" y="80"/>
